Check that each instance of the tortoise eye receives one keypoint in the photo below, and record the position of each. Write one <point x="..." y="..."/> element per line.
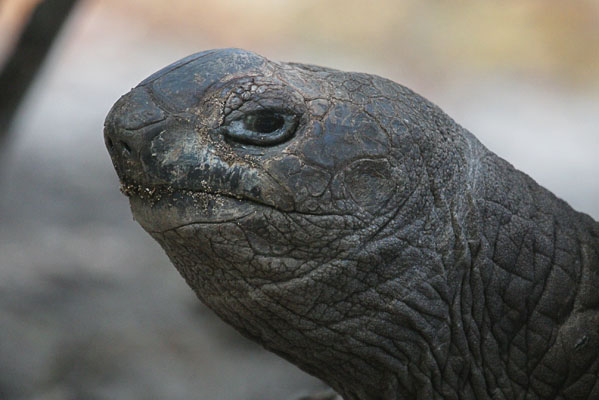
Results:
<point x="263" y="122"/>
<point x="262" y="128"/>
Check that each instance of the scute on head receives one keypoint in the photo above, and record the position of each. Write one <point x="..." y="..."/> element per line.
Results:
<point x="183" y="85"/>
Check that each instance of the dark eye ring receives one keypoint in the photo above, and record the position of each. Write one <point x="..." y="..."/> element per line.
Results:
<point x="262" y="128"/>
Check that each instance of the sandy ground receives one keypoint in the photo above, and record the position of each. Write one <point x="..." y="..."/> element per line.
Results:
<point x="90" y="307"/>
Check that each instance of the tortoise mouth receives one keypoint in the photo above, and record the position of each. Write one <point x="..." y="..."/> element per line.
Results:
<point x="153" y="194"/>
<point x="160" y="208"/>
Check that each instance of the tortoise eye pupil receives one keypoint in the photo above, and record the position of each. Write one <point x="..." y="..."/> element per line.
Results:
<point x="264" y="122"/>
<point x="262" y="127"/>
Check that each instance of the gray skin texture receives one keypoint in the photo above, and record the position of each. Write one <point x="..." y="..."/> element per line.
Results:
<point x="357" y="231"/>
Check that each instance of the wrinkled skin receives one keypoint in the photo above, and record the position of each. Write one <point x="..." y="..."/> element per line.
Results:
<point x="359" y="232"/>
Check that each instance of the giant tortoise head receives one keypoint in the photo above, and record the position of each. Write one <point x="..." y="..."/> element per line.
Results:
<point x="280" y="190"/>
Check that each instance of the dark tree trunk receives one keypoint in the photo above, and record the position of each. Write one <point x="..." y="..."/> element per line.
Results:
<point x="27" y="56"/>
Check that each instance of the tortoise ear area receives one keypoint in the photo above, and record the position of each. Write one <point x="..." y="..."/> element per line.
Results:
<point x="370" y="184"/>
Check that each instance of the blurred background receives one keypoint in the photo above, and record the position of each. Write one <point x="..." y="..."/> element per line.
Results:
<point x="90" y="307"/>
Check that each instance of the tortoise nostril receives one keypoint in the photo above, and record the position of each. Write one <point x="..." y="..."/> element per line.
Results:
<point x="125" y="146"/>
<point x="109" y="143"/>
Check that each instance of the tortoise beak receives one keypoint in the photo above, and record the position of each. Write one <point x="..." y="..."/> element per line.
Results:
<point x="131" y="124"/>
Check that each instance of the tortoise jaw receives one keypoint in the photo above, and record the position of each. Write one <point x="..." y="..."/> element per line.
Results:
<point x="162" y="209"/>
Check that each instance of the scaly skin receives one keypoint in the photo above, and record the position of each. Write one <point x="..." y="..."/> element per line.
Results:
<point x="368" y="239"/>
